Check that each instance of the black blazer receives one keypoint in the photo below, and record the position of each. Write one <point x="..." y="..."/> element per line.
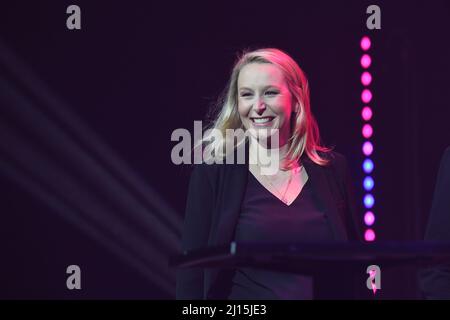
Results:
<point x="213" y="206"/>
<point x="435" y="282"/>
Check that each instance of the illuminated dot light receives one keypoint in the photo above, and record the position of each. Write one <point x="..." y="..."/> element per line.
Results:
<point x="369" y="218"/>
<point x="367" y="148"/>
<point x="366" y="61"/>
<point x="365" y="43"/>
<point x="366" y="78"/>
<point x="368" y="166"/>
<point x="367" y="133"/>
<point x="366" y="96"/>
<point x="366" y="113"/>
<point x="369" y="201"/>
<point x="369" y="235"/>
<point x="368" y="183"/>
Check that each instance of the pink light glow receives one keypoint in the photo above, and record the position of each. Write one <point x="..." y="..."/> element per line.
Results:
<point x="369" y="235"/>
<point x="365" y="43"/>
<point x="366" y="113"/>
<point x="373" y="274"/>
<point x="367" y="148"/>
<point x="367" y="131"/>
<point x="366" y="61"/>
<point x="369" y="218"/>
<point x="366" y="96"/>
<point x="366" y="78"/>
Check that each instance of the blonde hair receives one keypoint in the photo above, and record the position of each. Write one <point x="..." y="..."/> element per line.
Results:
<point x="305" y="135"/>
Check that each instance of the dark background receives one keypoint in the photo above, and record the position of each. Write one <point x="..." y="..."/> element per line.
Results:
<point x="136" y="71"/>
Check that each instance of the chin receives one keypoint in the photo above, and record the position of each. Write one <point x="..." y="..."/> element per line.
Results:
<point x="265" y="136"/>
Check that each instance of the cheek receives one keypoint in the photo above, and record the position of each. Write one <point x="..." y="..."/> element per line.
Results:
<point x="244" y="108"/>
<point x="283" y="107"/>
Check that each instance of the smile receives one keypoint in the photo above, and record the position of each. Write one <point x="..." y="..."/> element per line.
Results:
<point x="262" y="120"/>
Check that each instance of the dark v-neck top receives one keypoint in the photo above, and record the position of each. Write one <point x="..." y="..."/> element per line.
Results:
<point x="265" y="218"/>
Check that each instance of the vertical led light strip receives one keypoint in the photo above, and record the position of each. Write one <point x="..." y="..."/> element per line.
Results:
<point x="367" y="147"/>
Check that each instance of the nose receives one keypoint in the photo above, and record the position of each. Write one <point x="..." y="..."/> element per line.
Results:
<point x="259" y="105"/>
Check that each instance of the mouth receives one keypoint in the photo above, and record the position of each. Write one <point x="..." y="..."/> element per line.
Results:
<point x="262" y="120"/>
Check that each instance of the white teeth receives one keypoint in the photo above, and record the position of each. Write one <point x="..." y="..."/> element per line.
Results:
<point x="262" y="120"/>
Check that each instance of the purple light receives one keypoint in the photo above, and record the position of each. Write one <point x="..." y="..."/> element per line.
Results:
<point x="368" y="166"/>
<point x="369" y="235"/>
<point x="369" y="218"/>
<point x="367" y="148"/>
<point x="366" y="96"/>
<point x="366" y="61"/>
<point x="368" y="183"/>
<point x="365" y="43"/>
<point x="366" y="113"/>
<point x="367" y="131"/>
<point x="366" y="78"/>
<point x="369" y="201"/>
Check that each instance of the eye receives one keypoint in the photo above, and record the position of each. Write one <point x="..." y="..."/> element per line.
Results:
<point x="246" y="94"/>
<point x="271" y="92"/>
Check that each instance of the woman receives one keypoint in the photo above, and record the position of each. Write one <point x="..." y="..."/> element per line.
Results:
<point x="306" y="200"/>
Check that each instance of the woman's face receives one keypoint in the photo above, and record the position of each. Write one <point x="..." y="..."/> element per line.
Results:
<point x="264" y="100"/>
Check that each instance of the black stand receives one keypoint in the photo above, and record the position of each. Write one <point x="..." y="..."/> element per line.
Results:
<point x="338" y="269"/>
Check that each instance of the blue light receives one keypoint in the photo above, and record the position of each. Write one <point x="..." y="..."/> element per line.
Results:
<point x="368" y="183"/>
<point x="368" y="166"/>
<point x="369" y="201"/>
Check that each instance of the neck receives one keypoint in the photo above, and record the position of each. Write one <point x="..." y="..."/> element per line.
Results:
<point x="256" y="149"/>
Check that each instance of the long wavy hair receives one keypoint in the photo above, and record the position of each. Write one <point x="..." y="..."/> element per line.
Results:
<point x="305" y="135"/>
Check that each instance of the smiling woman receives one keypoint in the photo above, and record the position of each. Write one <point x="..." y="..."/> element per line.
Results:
<point x="307" y="199"/>
<point x="265" y="100"/>
<point x="267" y="84"/>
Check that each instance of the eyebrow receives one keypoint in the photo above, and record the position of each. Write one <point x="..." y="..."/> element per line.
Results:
<point x="266" y="87"/>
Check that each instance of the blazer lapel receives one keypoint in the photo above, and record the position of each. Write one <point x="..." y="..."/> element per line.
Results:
<point x="232" y="194"/>
<point x="232" y="191"/>
<point x="324" y="198"/>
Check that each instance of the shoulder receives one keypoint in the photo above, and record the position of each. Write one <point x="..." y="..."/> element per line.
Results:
<point x="210" y="169"/>
<point x="334" y="156"/>
<point x="203" y="170"/>
<point x="336" y="160"/>
<point x="337" y="167"/>
<point x="210" y="172"/>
